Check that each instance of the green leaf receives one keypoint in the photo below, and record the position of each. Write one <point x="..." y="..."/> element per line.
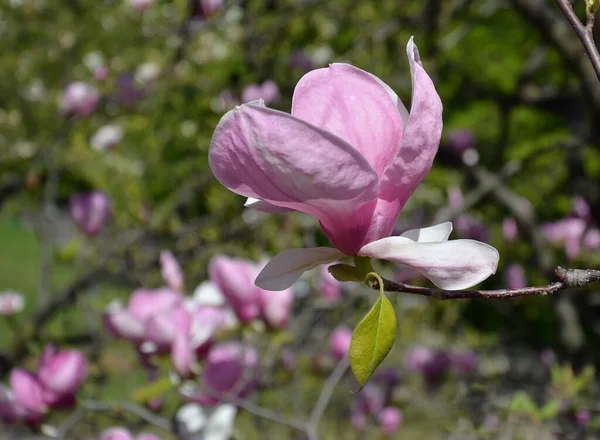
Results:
<point x="372" y="340"/>
<point x="147" y="392"/>
<point x="549" y="410"/>
<point x="522" y="403"/>
<point x="344" y="272"/>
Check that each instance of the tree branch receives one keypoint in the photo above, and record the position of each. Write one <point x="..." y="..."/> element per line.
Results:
<point x="585" y="33"/>
<point x="565" y="278"/>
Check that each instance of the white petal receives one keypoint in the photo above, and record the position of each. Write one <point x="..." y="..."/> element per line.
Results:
<point x="431" y="234"/>
<point x="455" y="264"/>
<point x="261" y="205"/>
<point x="208" y="294"/>
<point x="286" y="267"/>
<point x="220" y="423"/>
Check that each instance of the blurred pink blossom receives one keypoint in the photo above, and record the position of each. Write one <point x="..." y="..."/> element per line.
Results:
<point x="430" y="362"/>
<point x="90" y="211"/>
<point x="101" y="73"/>
<point x="351" y="160"/>
<point x="514" y="276"/>
<point x="80" y="98"/>
<point x="235" y="277"/>
<point x="140" y="4"/>
<point x="339" y="342"/>
<point x="171" y="271"/>
<point x="268" y="91"/>
<point x="11" y="303"/>
<point x="130" y="323"/>
<point x="209" y="7"/>
<point x="328" y="287"/>
<point x="61" y="373"/>
<point x="582" y="417"/>
<point x="510" y="230"/>
<point x="390" y="419"/>
<point x="28" y="392"/>
<point x="229" y="367"/>
<point x="461" y="140"/>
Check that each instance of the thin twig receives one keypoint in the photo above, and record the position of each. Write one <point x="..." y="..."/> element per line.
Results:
<point x="566" y="278"/>
<point x="128" y="407"/>
<point x="260" y="411"/>
<point x="321" y="405"/>
<point x="584" y="32"/>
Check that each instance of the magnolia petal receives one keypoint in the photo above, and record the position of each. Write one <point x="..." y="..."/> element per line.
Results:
<point x="270" y="155"/>
<point x="261" y="205"/>
<point x="455" y="264"/>
<point x="354" y="105"/>
<point x="419" y="146"/>
<point x="436" y="233"/>
<point x="286" y="267"/>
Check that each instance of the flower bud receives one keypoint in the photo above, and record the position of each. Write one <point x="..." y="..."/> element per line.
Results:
<point x="461" y="140"/>
<point x="62" y="372"/>
<point x="582" y="417"/>
<point x="90" y="212"/>
<point x="339" y="342"/>
<point x="390" y="419"/>
<point x="235" y="279"/>
<point x="276" y="307"/>
<point x="27" y="391"/>
<point x="344" y="272"/>
<point x="514" y="276"/>
<point x="510" y="229"/>
<point x="230" y="367"/>
<point x="116" y="434"/>
<point x="171" y="271"/>
<point x="11" y="303"/>
<point x="267" y="91"/>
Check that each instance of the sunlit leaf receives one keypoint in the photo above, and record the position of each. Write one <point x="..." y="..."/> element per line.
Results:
<point x="372" y="340"/>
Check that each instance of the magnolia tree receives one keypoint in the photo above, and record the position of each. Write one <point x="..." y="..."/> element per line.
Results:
<point x="164" y="306"/>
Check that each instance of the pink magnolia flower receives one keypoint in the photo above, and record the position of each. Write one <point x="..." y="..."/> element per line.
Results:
<point x="235" y="279"/>
<point x="12" y="412"/>
<point x="171" y="271"/>
<point x="573" y="233"/>
<point x="339" y="342"/>
<point x="230" y="367"/>
<point x="28" y="392"/>
<point x="11" y="303"/>
<point x="390" y="419"/>
<point x="90" y="211"/>
<point x="130" y="323"/>
<point x="80" y="98"/>
<point x="514" y="276"/>
<point x="267" y="91"/>
<point x="61" y="373"/>
<point x="350" y="154"/>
